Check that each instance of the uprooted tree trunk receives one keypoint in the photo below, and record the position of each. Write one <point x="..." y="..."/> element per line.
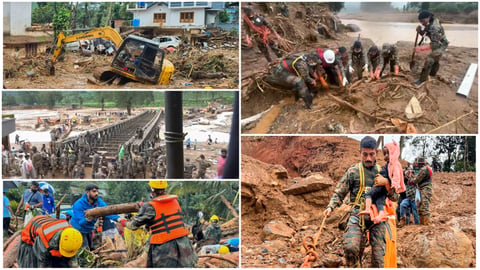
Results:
<point x="123" y="208"/>
<point x="219" y="261"/>
<point x="10" y="251"/>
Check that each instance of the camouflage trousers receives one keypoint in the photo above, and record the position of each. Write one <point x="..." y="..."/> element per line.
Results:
<point x="175" y="253"/>
<point x="287" y="80"/>
<point x="425" y="195"/>
<point x="432" y="63"/>
<point x="263" y="47"/>
<point x="352" y="239"/>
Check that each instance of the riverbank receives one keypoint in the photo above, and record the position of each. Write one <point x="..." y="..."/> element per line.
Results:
<point x="410" y="17"/>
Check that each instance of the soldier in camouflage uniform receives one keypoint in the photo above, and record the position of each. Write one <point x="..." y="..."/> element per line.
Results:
<point x="357" y="61"/>
<point x="202" y="166"/>
<point x="189" y="167"/>
<point x="297" y="72"/>
<point x="161" y="169"/>
<point x="54" y="163"/>
<point x="169" y="243"/>
<point x="438" y="43"/>
<point x="64" y="162"/>
<point x="357" y="225"/>
<point x="213" y="231"/>
<point x="72" y="158"/>
<point x="37" y="162"/>
<point x="260" y="31"/>
<point x="375" y="61"/>
<point x="390" y="56"/>
<point x="78" y="171"/>
<point x="423" y="179"/>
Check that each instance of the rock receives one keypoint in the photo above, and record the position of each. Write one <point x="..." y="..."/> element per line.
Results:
<point x="450" y="247"/>
<point x="264" y="250"/>
<point x="352" y="27"/>
<point x="275" y="229"/>
<point x="282" y="260"/>
<point x="31" y="73"/>
<point x="312" y="183"/>
<point x="465" y="224"/>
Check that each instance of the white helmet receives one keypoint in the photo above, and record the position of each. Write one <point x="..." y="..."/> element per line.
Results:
<point x="329" y="56"/>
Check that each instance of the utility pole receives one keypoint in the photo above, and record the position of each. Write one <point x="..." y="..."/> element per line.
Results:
<point x="174" y="133"/>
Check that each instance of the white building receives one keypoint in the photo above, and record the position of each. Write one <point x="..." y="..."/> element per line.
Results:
<point x="176" y="14"/>
<point x="17" y="16"/>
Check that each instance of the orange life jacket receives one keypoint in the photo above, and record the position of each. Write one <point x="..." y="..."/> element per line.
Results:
<point x="45" y="227"/>
<point x="168" y="224"/>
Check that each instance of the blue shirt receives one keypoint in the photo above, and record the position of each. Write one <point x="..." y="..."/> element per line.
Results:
<point x="48" y="206"/>
<point x="78" y="220"/>
<point x="6" y="212"/>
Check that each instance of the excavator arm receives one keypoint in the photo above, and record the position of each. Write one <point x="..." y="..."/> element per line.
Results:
<point x="102" y="32"/>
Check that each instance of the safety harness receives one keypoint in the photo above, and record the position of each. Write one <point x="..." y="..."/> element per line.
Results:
<point x="293" y="69"/>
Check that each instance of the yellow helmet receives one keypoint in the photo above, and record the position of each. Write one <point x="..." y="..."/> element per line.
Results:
<point x="70" y="242"/>
<point x="214" y="217"/>
<point x="223" y="250"/>
<point x="158" y="184"/>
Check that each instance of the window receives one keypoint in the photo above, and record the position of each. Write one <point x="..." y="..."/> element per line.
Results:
<point x="175" y="4"/>
<point x="188" y="4"/>
<point x="186" y="17"/>
<point x="202" y="4"/>
<point x="159" y="17"/>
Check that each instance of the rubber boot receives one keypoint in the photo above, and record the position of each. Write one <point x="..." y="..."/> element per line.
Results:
<point x="435" y="68"/>
<point x="402" y="222"/>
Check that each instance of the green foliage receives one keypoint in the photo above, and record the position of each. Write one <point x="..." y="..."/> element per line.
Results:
<point x="127" y="191"/>
<point x="223" y="17"/>
<point x="43" y="14"/>
<point x="444" y="7"/>
<point x="9" y="100"/>
<point x="61" y="20"/>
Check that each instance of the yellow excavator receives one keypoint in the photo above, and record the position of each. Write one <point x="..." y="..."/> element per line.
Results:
<point x="136" y="58"/>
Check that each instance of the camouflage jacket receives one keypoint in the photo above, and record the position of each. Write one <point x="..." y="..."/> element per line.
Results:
<point x="422" y="178"/>
<point x="434" y="31"/>
<point x="203" y="165"/>
<point x="350" y="183"/>
<point x="259" y="21"/>
<point x="189" y="168"/>
<point x="298" y="64"/>
<point x="357" y="59"/>
<point x="213" y="231"/>
<point x="390" y="54"/>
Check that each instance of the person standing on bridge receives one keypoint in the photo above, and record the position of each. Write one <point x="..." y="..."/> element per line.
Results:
<point x="95" y="162"/>
<point x="358" y="179"/>
<point x="438" y="43"/>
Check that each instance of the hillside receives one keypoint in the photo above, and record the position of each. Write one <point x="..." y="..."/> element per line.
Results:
<point x="280" y="208"/>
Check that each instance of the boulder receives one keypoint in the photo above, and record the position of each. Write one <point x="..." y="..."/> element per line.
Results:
<point x="312" y="183"/>
<point x="277" y="230"/>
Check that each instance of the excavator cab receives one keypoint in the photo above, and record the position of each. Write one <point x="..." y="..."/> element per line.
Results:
<point x="140" y="59"/>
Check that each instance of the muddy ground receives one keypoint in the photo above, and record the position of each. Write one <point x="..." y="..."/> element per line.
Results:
<point x="70" y="74"/>
<point x="287" y="183"/>
<point x="379" y="105"/>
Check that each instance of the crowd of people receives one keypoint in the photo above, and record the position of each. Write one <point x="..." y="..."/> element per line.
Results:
<point x="304" y="72"/>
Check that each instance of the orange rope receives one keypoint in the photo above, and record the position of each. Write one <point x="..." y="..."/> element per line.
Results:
<point x="311" y="248"/>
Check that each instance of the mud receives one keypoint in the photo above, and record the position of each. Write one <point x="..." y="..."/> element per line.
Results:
<point x="69" y="74"/>
<point x="439" y="101"/>
<point x="273" y="165"/>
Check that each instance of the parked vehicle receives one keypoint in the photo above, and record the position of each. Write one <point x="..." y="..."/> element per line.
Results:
<point x="167" y="41"/>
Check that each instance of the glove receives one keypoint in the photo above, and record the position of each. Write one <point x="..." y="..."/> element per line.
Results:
<point x="377" y="73"/>
<point x="350" y="69"/>
<point x="365" y="68"/>
<point x="345" y="82"/>
<point x="419" y="29"/>
<point x="396" y="69"/>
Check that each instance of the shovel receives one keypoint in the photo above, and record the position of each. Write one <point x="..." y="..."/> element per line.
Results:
<point x="412" y="62"/>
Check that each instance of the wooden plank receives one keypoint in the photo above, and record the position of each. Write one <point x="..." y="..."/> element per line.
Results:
<point x="467" y="82"/>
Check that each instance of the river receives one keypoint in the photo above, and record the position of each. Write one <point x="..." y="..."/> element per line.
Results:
<point x="459" y="35"/>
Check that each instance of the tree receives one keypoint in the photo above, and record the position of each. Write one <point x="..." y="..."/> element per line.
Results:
<point x="61" y="20"/>
<point x="127" y="191"/>
<point x="50" y="98"/>
<point x="224" y="17"/>
<point x="448" y="145"/>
